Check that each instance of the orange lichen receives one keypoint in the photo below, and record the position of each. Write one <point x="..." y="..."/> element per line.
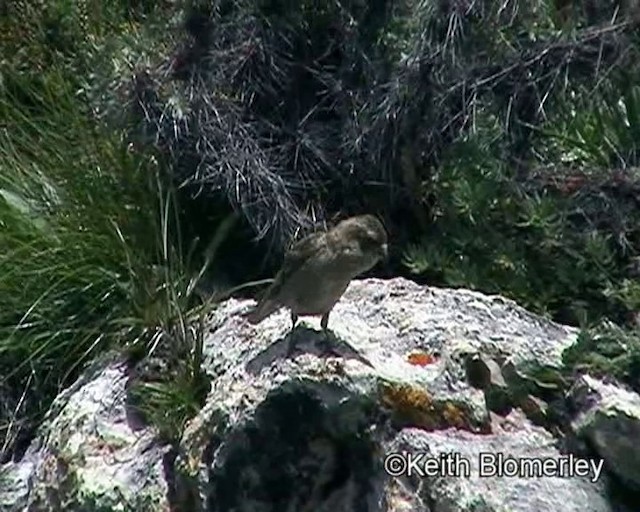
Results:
<point x="454" y="415"/>
<point x="410" y="405"/>
<point x="420" y="359"/>
<point x="413" y="406"/>
<point x="406" y="397"/>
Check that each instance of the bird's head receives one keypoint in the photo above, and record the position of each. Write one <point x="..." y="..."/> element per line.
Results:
<point x="367" y="240"/>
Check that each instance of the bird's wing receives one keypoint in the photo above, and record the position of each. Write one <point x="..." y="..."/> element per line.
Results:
<point x="294" y="259"/>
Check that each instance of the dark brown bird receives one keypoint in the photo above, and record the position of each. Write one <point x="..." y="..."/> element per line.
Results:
<point x="318" y="269"/>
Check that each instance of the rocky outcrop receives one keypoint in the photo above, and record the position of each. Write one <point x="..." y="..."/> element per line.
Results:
<point x="421" y="399"/>
<point x="608" y="418"/>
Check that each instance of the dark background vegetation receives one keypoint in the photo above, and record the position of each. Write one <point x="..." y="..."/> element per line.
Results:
<point x="498" y="141"/>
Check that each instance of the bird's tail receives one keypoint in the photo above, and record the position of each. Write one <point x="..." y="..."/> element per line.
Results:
<point x="261" y="311"/>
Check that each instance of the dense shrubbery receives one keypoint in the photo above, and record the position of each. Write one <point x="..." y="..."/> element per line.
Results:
<point x="394" y="109"/>
<point x="562" y="241"/>
<point x="497" y="141"/>
<point x="91" y="258"/>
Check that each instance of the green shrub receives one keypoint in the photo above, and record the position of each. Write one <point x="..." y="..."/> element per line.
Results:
<point x="607" y="350"/>
<point x="91" y="256"/>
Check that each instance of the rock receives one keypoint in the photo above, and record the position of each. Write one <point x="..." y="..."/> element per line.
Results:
<point x="314" y="430"/>
<point x="14" y="484"/>
<point x="517" y="439"/>
<point x="269" y="408"/>
<point x="535" y="409"/>
<point x="86" y="456"/>
<point x="486" y="374"/>
<point x="608" y="416"/>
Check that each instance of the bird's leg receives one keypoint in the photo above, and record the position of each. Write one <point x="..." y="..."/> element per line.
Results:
<point x="327" y="342"/>
<point x="330" y="342"/>
<point x="324" y="322"/>
<point x="292" y="343"/>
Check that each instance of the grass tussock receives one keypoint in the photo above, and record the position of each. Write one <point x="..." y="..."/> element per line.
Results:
<point x="91" y="253"/>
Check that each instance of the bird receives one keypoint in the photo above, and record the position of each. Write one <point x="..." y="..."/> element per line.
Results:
<point x="317" y="269"/>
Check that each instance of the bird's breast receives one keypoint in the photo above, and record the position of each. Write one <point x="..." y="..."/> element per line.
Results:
<point x="315" y="293"/>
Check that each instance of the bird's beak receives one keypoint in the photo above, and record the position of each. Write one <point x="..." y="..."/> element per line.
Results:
<point x="384" y="251"/>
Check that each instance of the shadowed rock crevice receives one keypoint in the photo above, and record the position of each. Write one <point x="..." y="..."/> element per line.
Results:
<point x="296" y="454"/>
<point x="181" y="493"/>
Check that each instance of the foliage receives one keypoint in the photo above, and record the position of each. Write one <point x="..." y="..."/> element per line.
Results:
<point x="607" y="350"/>
<point x="295" y="111"/>
<point x="489" y="235"/>
<point x="603" y="131"/>
<point x="172" y="388"/>
<point x="92" y="255"/>
<point x="562" y="240"/>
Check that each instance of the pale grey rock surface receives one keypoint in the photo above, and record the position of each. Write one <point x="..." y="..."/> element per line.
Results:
<point x="86" y="455"/>
<point x="517" y="438"/>
<point x="309" y="429"/>
<point x="609" y="417"/>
